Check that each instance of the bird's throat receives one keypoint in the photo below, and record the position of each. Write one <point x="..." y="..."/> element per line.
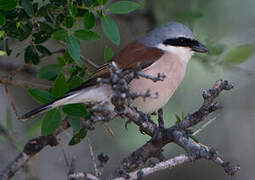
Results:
<point x="184" y="53"/>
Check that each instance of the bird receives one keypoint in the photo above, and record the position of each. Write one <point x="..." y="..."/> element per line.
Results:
<point x="166" y="49"/>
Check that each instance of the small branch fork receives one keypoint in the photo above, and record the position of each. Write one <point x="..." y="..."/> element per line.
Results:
<point x="133" y="166"/>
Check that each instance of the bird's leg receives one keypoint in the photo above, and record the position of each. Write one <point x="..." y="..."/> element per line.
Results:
<point x="157" y="132"/>
<point x="160" y="118"/>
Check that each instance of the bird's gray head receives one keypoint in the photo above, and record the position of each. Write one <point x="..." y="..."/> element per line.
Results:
<point x="173" y="34"/>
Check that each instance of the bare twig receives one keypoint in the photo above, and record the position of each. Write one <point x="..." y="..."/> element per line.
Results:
<point x="168" y="164"/>
<point x="89" y="61"/>
<point x="159" y="77"/>
<point x="8" y="136"/>
<point x="93" y="158"/>
<point x="61" y="145"/>
<point x="10" y="101"/>
<point x="8" y="67"/>
<point x="203" y="126"/>
<point x="82" y="175"/>
<point x="31" y="148"/>
<point x="60" y="51"/>
<point x="23" y="84"/>
<point x="83" y="58"/>
<point x="17" y="70"/>
<point x="21" y="68"/>
<point x="108" y="129"/>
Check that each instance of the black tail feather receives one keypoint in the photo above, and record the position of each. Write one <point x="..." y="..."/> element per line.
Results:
<point x="36" y="111"/>
<point x="44" y="108"/>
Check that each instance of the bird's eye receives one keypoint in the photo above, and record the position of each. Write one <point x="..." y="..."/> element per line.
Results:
<point x="182" y="40"/>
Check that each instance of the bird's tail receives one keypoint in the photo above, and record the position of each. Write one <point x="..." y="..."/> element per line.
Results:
<point x="36" y="111"/>
<point x="67" y="99"/>
<point x="80" y="96"/>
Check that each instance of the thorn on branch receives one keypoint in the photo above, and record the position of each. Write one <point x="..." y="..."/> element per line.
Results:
<point x="159" y="77"/>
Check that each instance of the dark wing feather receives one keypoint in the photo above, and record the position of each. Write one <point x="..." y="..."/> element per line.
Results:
<point x="127" y="58"/>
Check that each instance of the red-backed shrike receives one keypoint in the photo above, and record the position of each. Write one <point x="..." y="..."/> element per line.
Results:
<point x="166" y="50"/>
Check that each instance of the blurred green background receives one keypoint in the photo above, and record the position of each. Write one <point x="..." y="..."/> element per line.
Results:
<point x="224" y="26"/>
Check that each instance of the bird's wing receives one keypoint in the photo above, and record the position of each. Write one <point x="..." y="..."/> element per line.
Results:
<point x="127" y="58"/>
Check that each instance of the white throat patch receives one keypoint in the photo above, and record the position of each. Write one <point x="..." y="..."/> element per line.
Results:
<point x="184" y="53"/>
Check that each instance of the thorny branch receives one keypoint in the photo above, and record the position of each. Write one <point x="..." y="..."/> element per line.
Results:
<point x="132" y="167"/>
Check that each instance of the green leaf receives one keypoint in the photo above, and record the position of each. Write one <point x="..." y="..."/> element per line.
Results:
<point x="43" y="11"/>
<point x="49" y="72"/>
<point x="29" y="51"/>
<point x="75" y="110"/>
<point x="86" y="35"/>
<point x="28" y="7"/>
<point x="7" y="5"/>
<point x="60" y="35"/>
<point x="123" y="7"/>
<point x="183" y="115"/>
<point x="178" y="119"/>
<point x="1" y="34"/>
<point x="68" y="59"/>
<point x="78" y="137"/>
<point x="89" y="20"/>
<point x="50" y="122"/>
<point x="2" y="19"/>
<point x="59" y="19"/>
<point x="35" y="58"/>
<point x="43" y="50"/>
<point x="238" y="55"/>
<point x="35" y="7"/>
<point x="2" y="53"/>
<point x="108" y="53"/>
<point x="45" y="27"/>
<point x="41" y="37"/>
<point x="75" y="82"/>
<point x="101" y="2"/>
<point x="193" y="138"/>
<point x="75" y="122"/>
<point x="8" y="50"/>
<point x="19" y="30"/>
<point x="74" y="50"/>
<point x="60" y="86"/>
<point x="41" y="96"/>
<point x="61" y="60"/>
<point x="110" y="29"/>
<point x="68" y="21"/>
<point x="73" y="10"/>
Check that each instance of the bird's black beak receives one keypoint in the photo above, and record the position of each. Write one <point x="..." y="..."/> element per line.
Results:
<point x="198" y="47"/>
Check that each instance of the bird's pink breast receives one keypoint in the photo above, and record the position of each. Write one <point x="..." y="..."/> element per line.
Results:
<point x="173" y="69"/>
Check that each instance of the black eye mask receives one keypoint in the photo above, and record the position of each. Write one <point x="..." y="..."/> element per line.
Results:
<point x="185" y="42"/>
<point x="181" y="41"/>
